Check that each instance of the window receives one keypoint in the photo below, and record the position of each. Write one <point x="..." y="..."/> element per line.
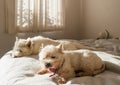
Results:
<point x="39" y="15"/>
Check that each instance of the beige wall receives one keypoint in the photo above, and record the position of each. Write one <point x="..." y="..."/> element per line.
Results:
<point x="100" y="15"/>
<point x="6" y="41"/>
<point x="1" y="16"/>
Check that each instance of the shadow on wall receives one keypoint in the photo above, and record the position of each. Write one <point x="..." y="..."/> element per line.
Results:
<point x="6" y="43"/>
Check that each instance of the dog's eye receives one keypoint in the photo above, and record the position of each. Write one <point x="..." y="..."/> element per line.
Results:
<point x="53" y="57"/>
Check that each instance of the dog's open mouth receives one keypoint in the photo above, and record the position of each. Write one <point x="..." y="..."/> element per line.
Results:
<point x="53" y="70"/>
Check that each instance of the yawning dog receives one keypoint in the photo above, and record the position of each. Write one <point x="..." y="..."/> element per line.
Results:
<point x="32" y="45"/>
<point x="64" y="63"/>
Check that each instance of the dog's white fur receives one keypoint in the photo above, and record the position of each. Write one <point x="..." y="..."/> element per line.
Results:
<point x="67" y="62"/>
<point x="32" y="45"/>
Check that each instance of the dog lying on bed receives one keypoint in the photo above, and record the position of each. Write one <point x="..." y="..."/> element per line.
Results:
<point x="55" y="60"/>
<point x="30" y="46"/>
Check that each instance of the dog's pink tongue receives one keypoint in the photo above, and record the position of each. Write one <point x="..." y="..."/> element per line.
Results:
<point x="53" y="70"/>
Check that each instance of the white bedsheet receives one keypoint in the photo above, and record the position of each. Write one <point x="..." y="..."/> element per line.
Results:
<point x="22" y="71"/>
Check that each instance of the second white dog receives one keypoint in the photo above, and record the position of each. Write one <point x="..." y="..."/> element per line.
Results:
<point x="23" y="47"/>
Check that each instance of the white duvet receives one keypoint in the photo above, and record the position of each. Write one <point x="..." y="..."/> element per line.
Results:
<point x="22" y="71"/>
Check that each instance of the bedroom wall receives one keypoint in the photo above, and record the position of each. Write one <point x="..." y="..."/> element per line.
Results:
<point x="73" y="20"/>
<point x="6" y="41"/>
<point x="100" y="15"/>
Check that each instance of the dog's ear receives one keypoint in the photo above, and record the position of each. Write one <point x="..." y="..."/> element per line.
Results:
<point x="42" y="46"/>
<point x="28" y="43"/>
<point x="17" y="38"/>
<point x="60" y="48"/>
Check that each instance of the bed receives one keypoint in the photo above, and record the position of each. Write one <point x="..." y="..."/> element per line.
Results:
<point x="23" y="70"/>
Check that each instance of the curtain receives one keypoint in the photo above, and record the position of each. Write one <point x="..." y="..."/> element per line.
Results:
<point x="39" y="15"/>
<point x="9" y="16"/>
<point x="33" y="15"/>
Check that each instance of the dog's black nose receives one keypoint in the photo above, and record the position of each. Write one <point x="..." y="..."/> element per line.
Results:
<point x="48" y="65"/>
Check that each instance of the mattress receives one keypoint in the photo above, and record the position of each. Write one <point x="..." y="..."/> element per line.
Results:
<point x="23" y="71"/>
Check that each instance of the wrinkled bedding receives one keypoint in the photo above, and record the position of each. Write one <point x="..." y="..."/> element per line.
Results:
<point x="111" y="46"/>
<point x="22" y="71"/>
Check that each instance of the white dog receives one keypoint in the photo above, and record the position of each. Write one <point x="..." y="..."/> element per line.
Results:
<point x="64" y="63"/>
<point x="30" y="46"/>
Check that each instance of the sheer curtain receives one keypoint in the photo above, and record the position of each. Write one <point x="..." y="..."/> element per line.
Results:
<point x="39" y="15"/>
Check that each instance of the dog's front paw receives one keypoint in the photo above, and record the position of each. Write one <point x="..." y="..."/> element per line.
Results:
<point x="61" y="80"/>
<point x="42" y="71"/>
